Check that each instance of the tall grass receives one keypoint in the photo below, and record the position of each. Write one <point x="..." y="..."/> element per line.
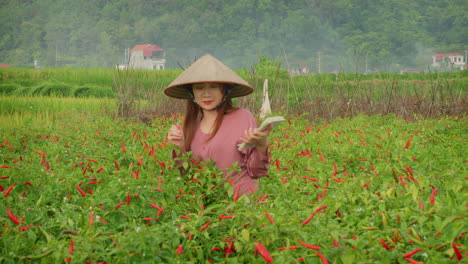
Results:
<point x="329" y="96"/>
<point x="140" y="92"/>
<point x="45" y="111"/>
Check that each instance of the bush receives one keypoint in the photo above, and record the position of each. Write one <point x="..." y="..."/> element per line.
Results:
<point x="91" y="90"/>
<point x="52" y="88"/>
<point x="8" y="88"/>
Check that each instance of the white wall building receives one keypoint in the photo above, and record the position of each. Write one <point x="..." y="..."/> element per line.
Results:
<point x="456" y="60"/>
<point x="147" y="56"/>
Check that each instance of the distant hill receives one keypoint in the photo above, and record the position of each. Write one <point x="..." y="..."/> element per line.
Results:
<point x="324" y="35"/>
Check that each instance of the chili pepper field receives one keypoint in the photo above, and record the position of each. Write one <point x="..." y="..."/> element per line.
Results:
<point x="372" y="189"/>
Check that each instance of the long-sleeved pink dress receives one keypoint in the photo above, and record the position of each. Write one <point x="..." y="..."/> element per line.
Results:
<point x="222" y="149"/>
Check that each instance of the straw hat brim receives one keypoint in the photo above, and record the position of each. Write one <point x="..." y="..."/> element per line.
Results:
<point x="207" y="69"/>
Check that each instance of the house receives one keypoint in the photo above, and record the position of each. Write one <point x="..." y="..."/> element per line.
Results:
<point x="456" y="60"/>
<point x="298" y="68"/>
<point x="5" y="66"/>
<point x="147" y="56"/>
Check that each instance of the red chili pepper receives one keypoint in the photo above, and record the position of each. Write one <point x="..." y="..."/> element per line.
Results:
<point x="408" y="143"/>
<point x="313" y="214"/>
<point x="157" y="207"/>
<point x="180" y="248"/>
<point x="24" y="228"/>
<point x="128" y="198"/>
<point x="278" y="145"/>
<point x="324" y="193"/>
<point x="322" y="258"/>
<point x="40" y="153"/>
<point x="135" y="174"/>
<point x="337" y="180"/>
<point x="123" y="146"/>
<point x="366" y="184"/>
<point x="72" y="247"/>
<point x="94" y="182"/>
<point x="229" y="249"/>
<point x="205" y="226"/>
<point x="91" y="219"/>
<point x="194" y="163"/>
<point x="12" y="217"/>
<point x="432" y="199"/>
<point x="314" y="247"/>
<point x="120" y="204"/>
<point x="291" y="247"/>
<point x="269" y="217"/>
<point x="117" y="166"/>
<point x="185" y="217"/>
<point x="457" y="251"/>
<point x="7" y="192"/>
<point x="278" y="165"/>
<point x="264" y="198"/>
<point x="402" y="180"/>
<point x="159" y="181"/>
<point x="264" y="252"/>
<point x="387" y="247"/>
<point x="80" y="190"/>
<point x="409" y="254"/>
<point x="412" y="261"/>
<point x="421" y="205"/>
<point x="4" y="167"/>
<point x="363" y="143"/>
<point x="334" y="169"/>
<point x="236" y="194"/>
<point x="250" y="188"/>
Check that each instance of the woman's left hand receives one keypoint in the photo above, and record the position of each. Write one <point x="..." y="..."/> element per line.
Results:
<point x="257" y="137"/>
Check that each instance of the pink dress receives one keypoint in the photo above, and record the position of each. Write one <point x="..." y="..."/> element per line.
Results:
<point x="222" y="149"/>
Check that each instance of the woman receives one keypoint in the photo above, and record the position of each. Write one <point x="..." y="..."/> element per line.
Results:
<point x="213" y="128"/>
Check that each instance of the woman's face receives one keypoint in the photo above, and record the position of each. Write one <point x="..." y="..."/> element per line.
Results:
<point x="208" y="95"/>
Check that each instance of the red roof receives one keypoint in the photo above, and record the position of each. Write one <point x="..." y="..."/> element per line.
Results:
<point x="147" y="47"/>
<point x="4" y="65"/>
<point x="439" y="57"/>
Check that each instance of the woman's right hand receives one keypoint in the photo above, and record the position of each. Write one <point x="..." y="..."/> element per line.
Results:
<point x="176" y="136"/>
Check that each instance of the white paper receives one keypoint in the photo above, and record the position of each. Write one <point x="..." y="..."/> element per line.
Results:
<point x="274" y="121"/>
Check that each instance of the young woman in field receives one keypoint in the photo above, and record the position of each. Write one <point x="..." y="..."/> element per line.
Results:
<point x="213" y="128"/>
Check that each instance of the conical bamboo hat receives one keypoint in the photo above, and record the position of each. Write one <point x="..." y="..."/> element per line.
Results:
<point x="207" y="69"/>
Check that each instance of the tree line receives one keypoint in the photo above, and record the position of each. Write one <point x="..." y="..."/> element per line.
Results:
<point x="339" y="35"/>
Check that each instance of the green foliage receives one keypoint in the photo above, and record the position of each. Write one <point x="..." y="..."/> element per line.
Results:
<point x="269" y="69"/>
<point x="390" y="35"/>
<point x="362" y="182"/>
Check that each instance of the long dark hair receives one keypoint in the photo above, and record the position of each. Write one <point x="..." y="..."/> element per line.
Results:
<point x="194" y="113"/>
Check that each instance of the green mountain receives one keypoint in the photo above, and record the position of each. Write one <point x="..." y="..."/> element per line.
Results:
<point x="324" y="35"/>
